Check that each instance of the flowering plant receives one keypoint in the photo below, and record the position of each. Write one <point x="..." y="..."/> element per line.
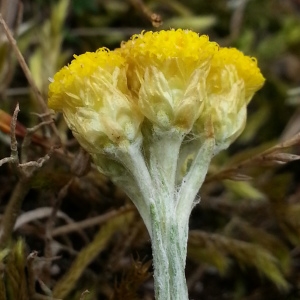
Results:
<point x="152" y="114"/>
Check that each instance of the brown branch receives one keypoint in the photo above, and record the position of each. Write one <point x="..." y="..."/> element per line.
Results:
<point x="13" y="208"/>
<point x="23" y="65"/>
<point x="154" y="18"/>
<point x="28" y="75"/>
<point x="271" y="156"/>
<point x="31" y="137"/>
<point x="14" y="156"/>
<point x="65" y="229"/>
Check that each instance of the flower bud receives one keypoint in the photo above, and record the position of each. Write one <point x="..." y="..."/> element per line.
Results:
<point x="167" y="74"/>
<point x="93" y="95"/>
<point x="231" y="83"/>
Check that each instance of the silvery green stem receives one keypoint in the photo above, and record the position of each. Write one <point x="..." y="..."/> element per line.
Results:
<point x="132" y="159"/>
<point x="168" y="258"/>
<point x="155" y="177"/>
<point x="164" y="151"/>
<point x="127" y="169"/>
<point x="148" y="177"/>
<point x="168" y="249"/>
<point x="193" y="180"/>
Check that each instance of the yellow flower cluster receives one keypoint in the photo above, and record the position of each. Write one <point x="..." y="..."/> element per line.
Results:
<point x="92" y="93"/>
<point x="174" y="78"/>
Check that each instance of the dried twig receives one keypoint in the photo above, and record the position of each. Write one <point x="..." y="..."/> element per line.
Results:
<point x="28" y="75"/>
<point x="154" y="18"/>
<point x="14" y="158"/>
<point x="25" y="172"/>
<point x="27" y="141"/>
<point x="23" y="65"/>
<point x="271" y="156"/>
<point x="236" y="21"/>
<point x="29" y="136"/>
<point x="66" y="229"/>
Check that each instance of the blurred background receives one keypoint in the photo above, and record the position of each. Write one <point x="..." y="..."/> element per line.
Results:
<point x="245" y="234"/>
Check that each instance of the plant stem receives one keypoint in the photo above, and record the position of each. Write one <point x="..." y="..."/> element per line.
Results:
<point x="164" y="152"/>
<point x="168" y="256"/>
<point x="149" y="178"/>
<point x="194" y="179"/>
<point x="158" y="191"/>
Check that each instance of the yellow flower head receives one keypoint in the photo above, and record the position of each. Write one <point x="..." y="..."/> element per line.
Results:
<point x="231" y="83"/>
<point x="246" y="70"/>
<point x="175" y="78"/>
<point x="167" y="74"/>
<point x="93" y="95"/>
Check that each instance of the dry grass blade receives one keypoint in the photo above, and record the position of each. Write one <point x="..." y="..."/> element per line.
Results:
<point x="272" y="156"/>
<point x="71" y="227"/>
<point x="131" y="281"/>
<point x="3" y="255"/>
<point x="246" y="254"/>
<point x="15" y="277"/>
<point x="88" y="254"/>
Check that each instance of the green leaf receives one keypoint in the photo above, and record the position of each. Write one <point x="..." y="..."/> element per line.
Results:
<point x="244" y="189"/>
<point x="246" y="254"/>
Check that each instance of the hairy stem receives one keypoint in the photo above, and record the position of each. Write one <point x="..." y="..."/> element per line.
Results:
<point x="168" y="257"/>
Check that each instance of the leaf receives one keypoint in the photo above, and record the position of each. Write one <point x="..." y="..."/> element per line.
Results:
<point x="206" y="252"/>
<point x="246" y="254"/>
<point x="244" y="190"/>
<point x="282" y="157"/>
<point x="238" y="176"/>
<point x="15" y="278"/>
<point x="263" y="238"/>
<point x="90" y="252"/>
<point x="3" y="255"/>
